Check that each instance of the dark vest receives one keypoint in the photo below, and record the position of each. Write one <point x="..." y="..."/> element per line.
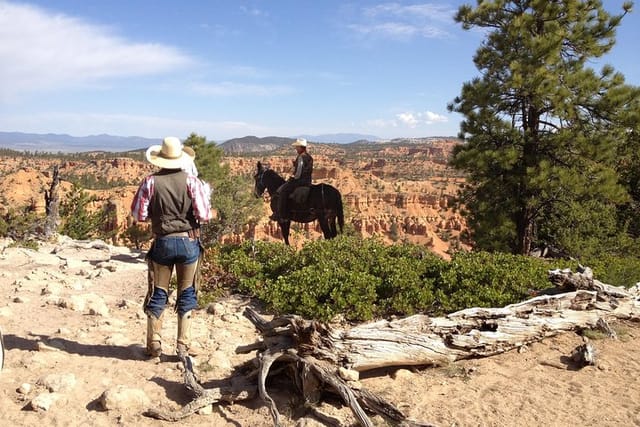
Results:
<point x="171" y="209"/>
<point x="307" y="168"/>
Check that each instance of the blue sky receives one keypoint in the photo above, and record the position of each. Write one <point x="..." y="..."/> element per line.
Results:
<point x="233" y="68"/>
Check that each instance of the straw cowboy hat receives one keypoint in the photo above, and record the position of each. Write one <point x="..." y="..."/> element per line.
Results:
<point x="170" y="155"/>
<point x="300" y="142"/>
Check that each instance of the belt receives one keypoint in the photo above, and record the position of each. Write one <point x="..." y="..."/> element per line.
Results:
<point x="194" y="234"/>
<point x="177" y="234"/>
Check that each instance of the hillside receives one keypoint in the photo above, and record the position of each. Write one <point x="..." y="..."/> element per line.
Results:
<point x="398" y="191"/>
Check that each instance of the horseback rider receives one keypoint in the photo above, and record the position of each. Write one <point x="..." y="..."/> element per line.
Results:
<point x="303" y="168"/>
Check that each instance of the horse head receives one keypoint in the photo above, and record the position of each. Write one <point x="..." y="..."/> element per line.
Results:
<point x="259" y="186"/>
<point x="266" y="179"/>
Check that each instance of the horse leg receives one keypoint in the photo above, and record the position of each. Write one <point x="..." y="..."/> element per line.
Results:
<point x="284" y="228"/>
<point x="324" y="226"/>
<point x="333" y="229"/>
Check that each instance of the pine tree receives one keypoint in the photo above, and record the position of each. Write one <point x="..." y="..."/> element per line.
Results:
<point x="78" y="221"/>
<point x="232" y="198"/>
<point x="541" y="127"/>
<point x="629" y="170"/>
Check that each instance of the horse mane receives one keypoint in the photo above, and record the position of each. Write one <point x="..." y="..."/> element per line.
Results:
<point x="272" y="172"/>
<point x="273" y="176"/>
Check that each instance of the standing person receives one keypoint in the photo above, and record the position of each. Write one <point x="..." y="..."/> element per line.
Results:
<point x="303" y="168"/>
<point x="176" y="203"/>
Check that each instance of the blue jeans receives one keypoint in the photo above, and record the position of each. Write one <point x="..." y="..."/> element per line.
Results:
<point x="175" y="250"/>
<point x="165" y="254"/>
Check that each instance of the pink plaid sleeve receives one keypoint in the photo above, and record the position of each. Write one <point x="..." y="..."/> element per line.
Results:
<point x="200" y="197"/>
<point x="140" y="203"/>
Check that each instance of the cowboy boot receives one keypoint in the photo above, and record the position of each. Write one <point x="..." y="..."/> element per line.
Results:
<point x="184" y="334"/>
<point x="154" y="335"/>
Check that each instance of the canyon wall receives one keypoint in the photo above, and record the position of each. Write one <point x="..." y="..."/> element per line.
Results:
<point x="395" y="192"/>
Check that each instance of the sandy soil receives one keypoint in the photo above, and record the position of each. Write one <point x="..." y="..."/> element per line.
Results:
<point x="74" y="331"/>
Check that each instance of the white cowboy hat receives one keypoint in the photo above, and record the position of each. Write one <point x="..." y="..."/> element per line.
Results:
<point x="170" y="155"/>
<point x="300" y="142"/>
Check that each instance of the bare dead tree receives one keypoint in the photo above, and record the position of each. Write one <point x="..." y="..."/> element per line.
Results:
<point x="52" y="205"/>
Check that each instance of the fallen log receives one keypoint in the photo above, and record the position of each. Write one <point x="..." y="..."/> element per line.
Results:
<point x="423" y="340"/>
<point x="315" y="351"/>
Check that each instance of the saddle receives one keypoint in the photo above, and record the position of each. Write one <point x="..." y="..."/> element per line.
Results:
<point x="300" y="194"/>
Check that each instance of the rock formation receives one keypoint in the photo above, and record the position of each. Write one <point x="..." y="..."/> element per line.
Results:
<point x="394" y="191"/>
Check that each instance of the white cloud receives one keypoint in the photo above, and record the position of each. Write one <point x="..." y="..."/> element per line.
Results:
<point x="408" y="119"/>
<point x="396" y="21"/>
<point x="42" y="50"/>
<point x="431" y="118"/>
<point x="434" y="12"/>
<point x="415" y="119"/>
<point x="236" y="89"/>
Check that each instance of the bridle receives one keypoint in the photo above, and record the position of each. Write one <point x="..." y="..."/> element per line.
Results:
<point x="260" y="187"/>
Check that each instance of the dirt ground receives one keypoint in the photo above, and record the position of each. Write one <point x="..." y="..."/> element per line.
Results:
<point x="74" y="332"/>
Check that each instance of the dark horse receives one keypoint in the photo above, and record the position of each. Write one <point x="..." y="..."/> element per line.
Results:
<point x="324" y="203"/>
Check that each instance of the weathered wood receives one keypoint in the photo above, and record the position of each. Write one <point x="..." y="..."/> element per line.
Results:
<point x="238" y="391"/>
<point x="266" y="360"/>
<point x="584" y="354"/>
<point x="51" y="205"/>
<point x="423" y="340"/>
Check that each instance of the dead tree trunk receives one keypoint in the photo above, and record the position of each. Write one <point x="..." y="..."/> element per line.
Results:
<point x="51" y="206"/>
<point x="317" y="354"/>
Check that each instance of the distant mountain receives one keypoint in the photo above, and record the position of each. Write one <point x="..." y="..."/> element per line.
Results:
<point x="54" y="143"/>
<point x="340" y="138"/>
<point x="254" y="144"/>
<point x="405" y="140"/>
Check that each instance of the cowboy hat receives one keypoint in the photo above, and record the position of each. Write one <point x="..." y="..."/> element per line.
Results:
<point x="300" y="142"/>
<point x="170" y="155"/>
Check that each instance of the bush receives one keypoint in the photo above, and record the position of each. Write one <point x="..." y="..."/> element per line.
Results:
<point x="78" y="222"/>
<point x="483" y="279"/>
<point x="362" y="279"/>
<point x="323" y="291"/>
<point x="617" y="271"/>
<point x="250" y="263"/>
<point x="20" y="224"/>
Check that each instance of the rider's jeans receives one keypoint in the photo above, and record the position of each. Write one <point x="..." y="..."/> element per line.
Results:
<point x="167" y="253"/>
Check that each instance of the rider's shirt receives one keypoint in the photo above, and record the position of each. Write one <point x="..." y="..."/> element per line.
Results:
<point x="303" y="168"/>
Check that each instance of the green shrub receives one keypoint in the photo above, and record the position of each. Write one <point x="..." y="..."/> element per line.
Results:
<point x="20" y="224"/>
<point x="252" y="262"/>
<point x="483" y="279"/>
<point x="617" y="271"/>
<point x="407" y="275"/>
<point x="362" y="279"/>
<point x="324" y="290"/>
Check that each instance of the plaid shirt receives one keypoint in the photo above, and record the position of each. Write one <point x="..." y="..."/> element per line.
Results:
<point x="199" y="192"/>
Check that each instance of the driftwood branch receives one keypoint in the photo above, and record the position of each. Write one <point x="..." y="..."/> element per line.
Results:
<point x="315" y="352"/>
<point x="242" y="390"/>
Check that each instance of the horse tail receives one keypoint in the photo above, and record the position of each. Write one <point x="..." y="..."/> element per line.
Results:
<point x="340" y="211"/>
